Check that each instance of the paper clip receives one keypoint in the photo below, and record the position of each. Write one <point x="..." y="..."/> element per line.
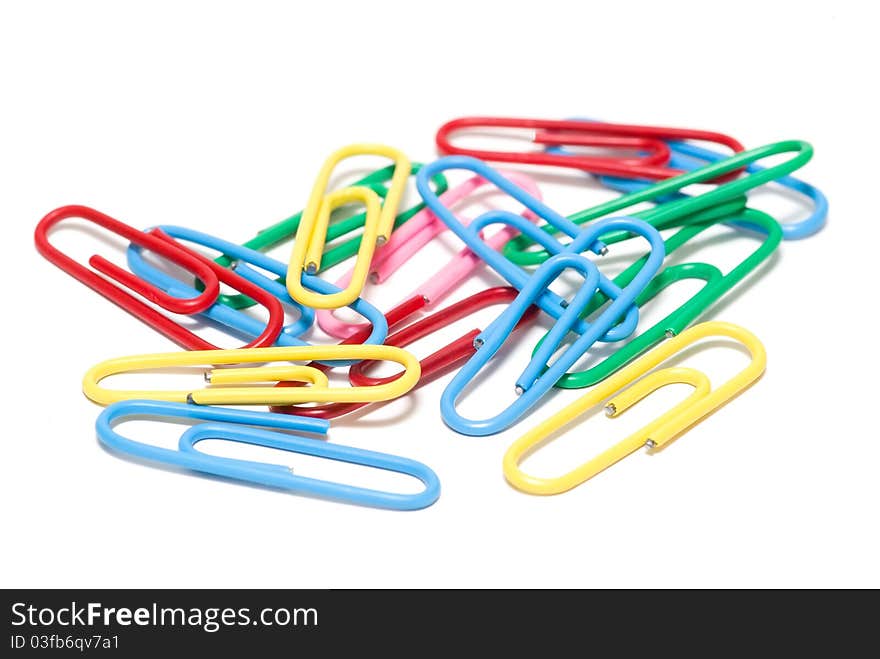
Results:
<point x="582" y="239"/>
<point x="221" y="394"/>
<point x="702" y="402"/>
<point x="283" y="231"/>
<point x="716" y="285"/>
<point x="311" y="235"/>
<point x="538" y="378"/>
<point x="243" y="259"/>
<point x="520" y="250"/>
<point x="409" y="239"/>
<point x="434" y="365"/>
<point x="248" y="427"/>
<point x="553" y="132"/>
<point x="168" y="248"/>
<point x="687" y="157"/>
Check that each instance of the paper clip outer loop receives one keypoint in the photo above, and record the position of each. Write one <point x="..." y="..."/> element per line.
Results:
<point x="250" y="428"/>
<point x="172" y="251"/>
<point x="283" y="231"/>
<point x="700" y="404"/>
<point x="226" y="395"/>
<point x="520" y="249"/>
<point x="573" y="132"/>
<point x="411" y="238"/>
<point x="311" y="234"/>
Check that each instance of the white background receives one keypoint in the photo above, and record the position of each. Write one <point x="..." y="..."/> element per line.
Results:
<point x="217" y="116"/>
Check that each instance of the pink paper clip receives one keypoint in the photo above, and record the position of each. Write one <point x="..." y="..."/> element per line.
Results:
<point x="410" y="238"/>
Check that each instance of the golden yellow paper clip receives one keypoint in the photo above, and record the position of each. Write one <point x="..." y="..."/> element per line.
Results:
<point x="311" y="234"/>
<point x="259" y="393"/>
<point x="702" y="402"/>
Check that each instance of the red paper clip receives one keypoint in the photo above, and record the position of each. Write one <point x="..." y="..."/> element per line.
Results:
<point x="434" y="365"/>
<point x="553" y="132"/>
<point x="207" y="271"/>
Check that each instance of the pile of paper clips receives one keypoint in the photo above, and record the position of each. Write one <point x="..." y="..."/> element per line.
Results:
<point x="528" y="251"/>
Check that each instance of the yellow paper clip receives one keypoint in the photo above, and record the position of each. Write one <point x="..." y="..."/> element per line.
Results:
<point x="702" y="402"/>
<point x="220" y="393"/>
<point x="311" y="234"/>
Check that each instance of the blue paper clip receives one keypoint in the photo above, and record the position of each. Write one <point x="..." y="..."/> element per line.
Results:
<point x="582" y="239"/>
<point x="238" y="320"/>
<point x="538" y="378"/>
<point x="238" y="426"/>
<point x="687" y="157"/>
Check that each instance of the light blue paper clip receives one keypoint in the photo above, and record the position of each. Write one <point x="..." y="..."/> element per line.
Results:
<point x="238" y="426"/>
<point x="538" y="378"/>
